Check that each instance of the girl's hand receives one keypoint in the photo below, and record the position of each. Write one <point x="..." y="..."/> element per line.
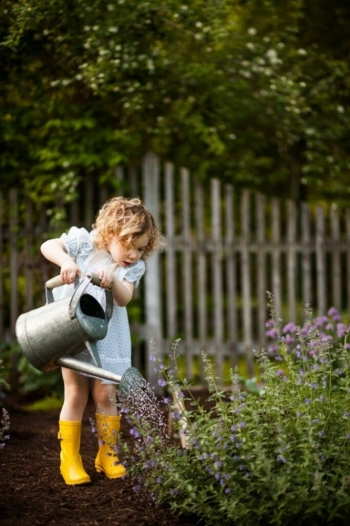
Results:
<point x="106" y="276"/>
<point x="69" y="270"/>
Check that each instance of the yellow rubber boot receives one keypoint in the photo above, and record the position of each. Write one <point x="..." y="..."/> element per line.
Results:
<point x="71" y="463"/>
<point x="107" y="461"/>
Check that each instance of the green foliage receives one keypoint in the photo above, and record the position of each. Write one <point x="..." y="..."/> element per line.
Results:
<point x="45" y="404"/>
<point x="255" y="93"/>
<point x="30" y="379"/>
<point x="276" y="453"/>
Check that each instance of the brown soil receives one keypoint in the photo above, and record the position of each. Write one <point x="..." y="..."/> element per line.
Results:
<point x="34" y="493"/>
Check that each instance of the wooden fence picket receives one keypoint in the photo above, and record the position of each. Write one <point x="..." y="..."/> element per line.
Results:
<point x="335" y="258"/>
<point x="306" y="266"/>
<point x="231" y="275"/>
<point x="260" y="227"/>
<point x="320" y="260"/>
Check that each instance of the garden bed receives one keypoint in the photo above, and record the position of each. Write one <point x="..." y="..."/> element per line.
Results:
<point x="34" y="493"/>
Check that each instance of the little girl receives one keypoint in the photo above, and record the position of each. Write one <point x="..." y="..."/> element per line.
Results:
<point x="123" y="235"/>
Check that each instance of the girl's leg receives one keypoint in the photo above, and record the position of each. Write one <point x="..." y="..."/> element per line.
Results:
<point x="108" y="426"/>
<point x="104" y="396"/>
<point x="76" y="392"/>
<point x="76" y="395"/>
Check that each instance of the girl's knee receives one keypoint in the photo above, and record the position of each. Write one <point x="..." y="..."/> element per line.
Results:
<point x="77" y="395"/>
<point x="104" y="394"/>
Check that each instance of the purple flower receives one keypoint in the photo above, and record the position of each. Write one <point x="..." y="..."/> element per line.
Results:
<point x="290" y="327"/>
<point x="162" y="382"/>
<point x="321" y="320"/>
<point x="271" y="333"/>
<point x="280" y="372"/>
<point x="289" y="339"/>
<point x="334" y="314"/>
<point x="341" y="330"/>
<point x="134" y="432"/>
<point x="305" y="331"/>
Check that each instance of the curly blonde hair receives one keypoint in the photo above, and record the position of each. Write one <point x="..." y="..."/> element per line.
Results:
<point x="126" y="219"/>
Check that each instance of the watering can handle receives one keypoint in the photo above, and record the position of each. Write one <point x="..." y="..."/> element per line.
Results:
<point x="89" y="278"/>
<point x="57" y="281"/>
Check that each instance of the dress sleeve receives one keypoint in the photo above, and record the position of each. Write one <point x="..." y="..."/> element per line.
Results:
<point x="133" y="273"/>
<point x="77" y="241"/>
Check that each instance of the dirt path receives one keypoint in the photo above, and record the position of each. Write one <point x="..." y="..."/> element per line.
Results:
<point x="34" y="493"/>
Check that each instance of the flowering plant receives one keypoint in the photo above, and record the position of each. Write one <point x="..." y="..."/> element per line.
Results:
<point x="327" y="329"/>
<point x="278" y="456"/>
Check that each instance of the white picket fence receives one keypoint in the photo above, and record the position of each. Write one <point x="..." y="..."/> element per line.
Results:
<point x="209" y="285"/>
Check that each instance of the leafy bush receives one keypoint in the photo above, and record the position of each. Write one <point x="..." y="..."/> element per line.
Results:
<point x="277" y="456"/>
<point x="30" y="379"/>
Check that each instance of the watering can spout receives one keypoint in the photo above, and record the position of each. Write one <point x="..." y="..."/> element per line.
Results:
<point x="84" y="367"/>
<point x="130" y="381"/>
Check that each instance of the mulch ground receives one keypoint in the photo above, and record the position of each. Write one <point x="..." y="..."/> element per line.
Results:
<point x="34" y="493"/>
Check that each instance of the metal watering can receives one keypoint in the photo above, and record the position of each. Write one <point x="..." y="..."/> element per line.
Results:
<point x="51" y="336"/>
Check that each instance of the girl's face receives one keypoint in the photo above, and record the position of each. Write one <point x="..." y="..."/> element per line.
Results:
<point x="125" y="257"/>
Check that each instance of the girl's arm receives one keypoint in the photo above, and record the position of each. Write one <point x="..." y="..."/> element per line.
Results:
<point x="55" y="251"/>
<point x="122" y="290"/>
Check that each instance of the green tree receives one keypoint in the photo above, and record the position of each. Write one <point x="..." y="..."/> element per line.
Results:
<point x="253" y="92"/>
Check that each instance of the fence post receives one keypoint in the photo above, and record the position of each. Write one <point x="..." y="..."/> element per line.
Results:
<point x="153" y="328"/>
<point x="320" y="261"/>
<point x="246" y="283"/>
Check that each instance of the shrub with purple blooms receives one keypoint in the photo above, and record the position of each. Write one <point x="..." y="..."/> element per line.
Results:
<point x="278" y="456"/>
<point x="328" y="329"/>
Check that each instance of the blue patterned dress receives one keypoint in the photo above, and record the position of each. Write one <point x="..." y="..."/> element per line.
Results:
<point x="115" y="349"/>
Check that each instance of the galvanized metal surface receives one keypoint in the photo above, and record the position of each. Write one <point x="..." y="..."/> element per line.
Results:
<point x="63" y="327"/>
<point x="53" y="335"/>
